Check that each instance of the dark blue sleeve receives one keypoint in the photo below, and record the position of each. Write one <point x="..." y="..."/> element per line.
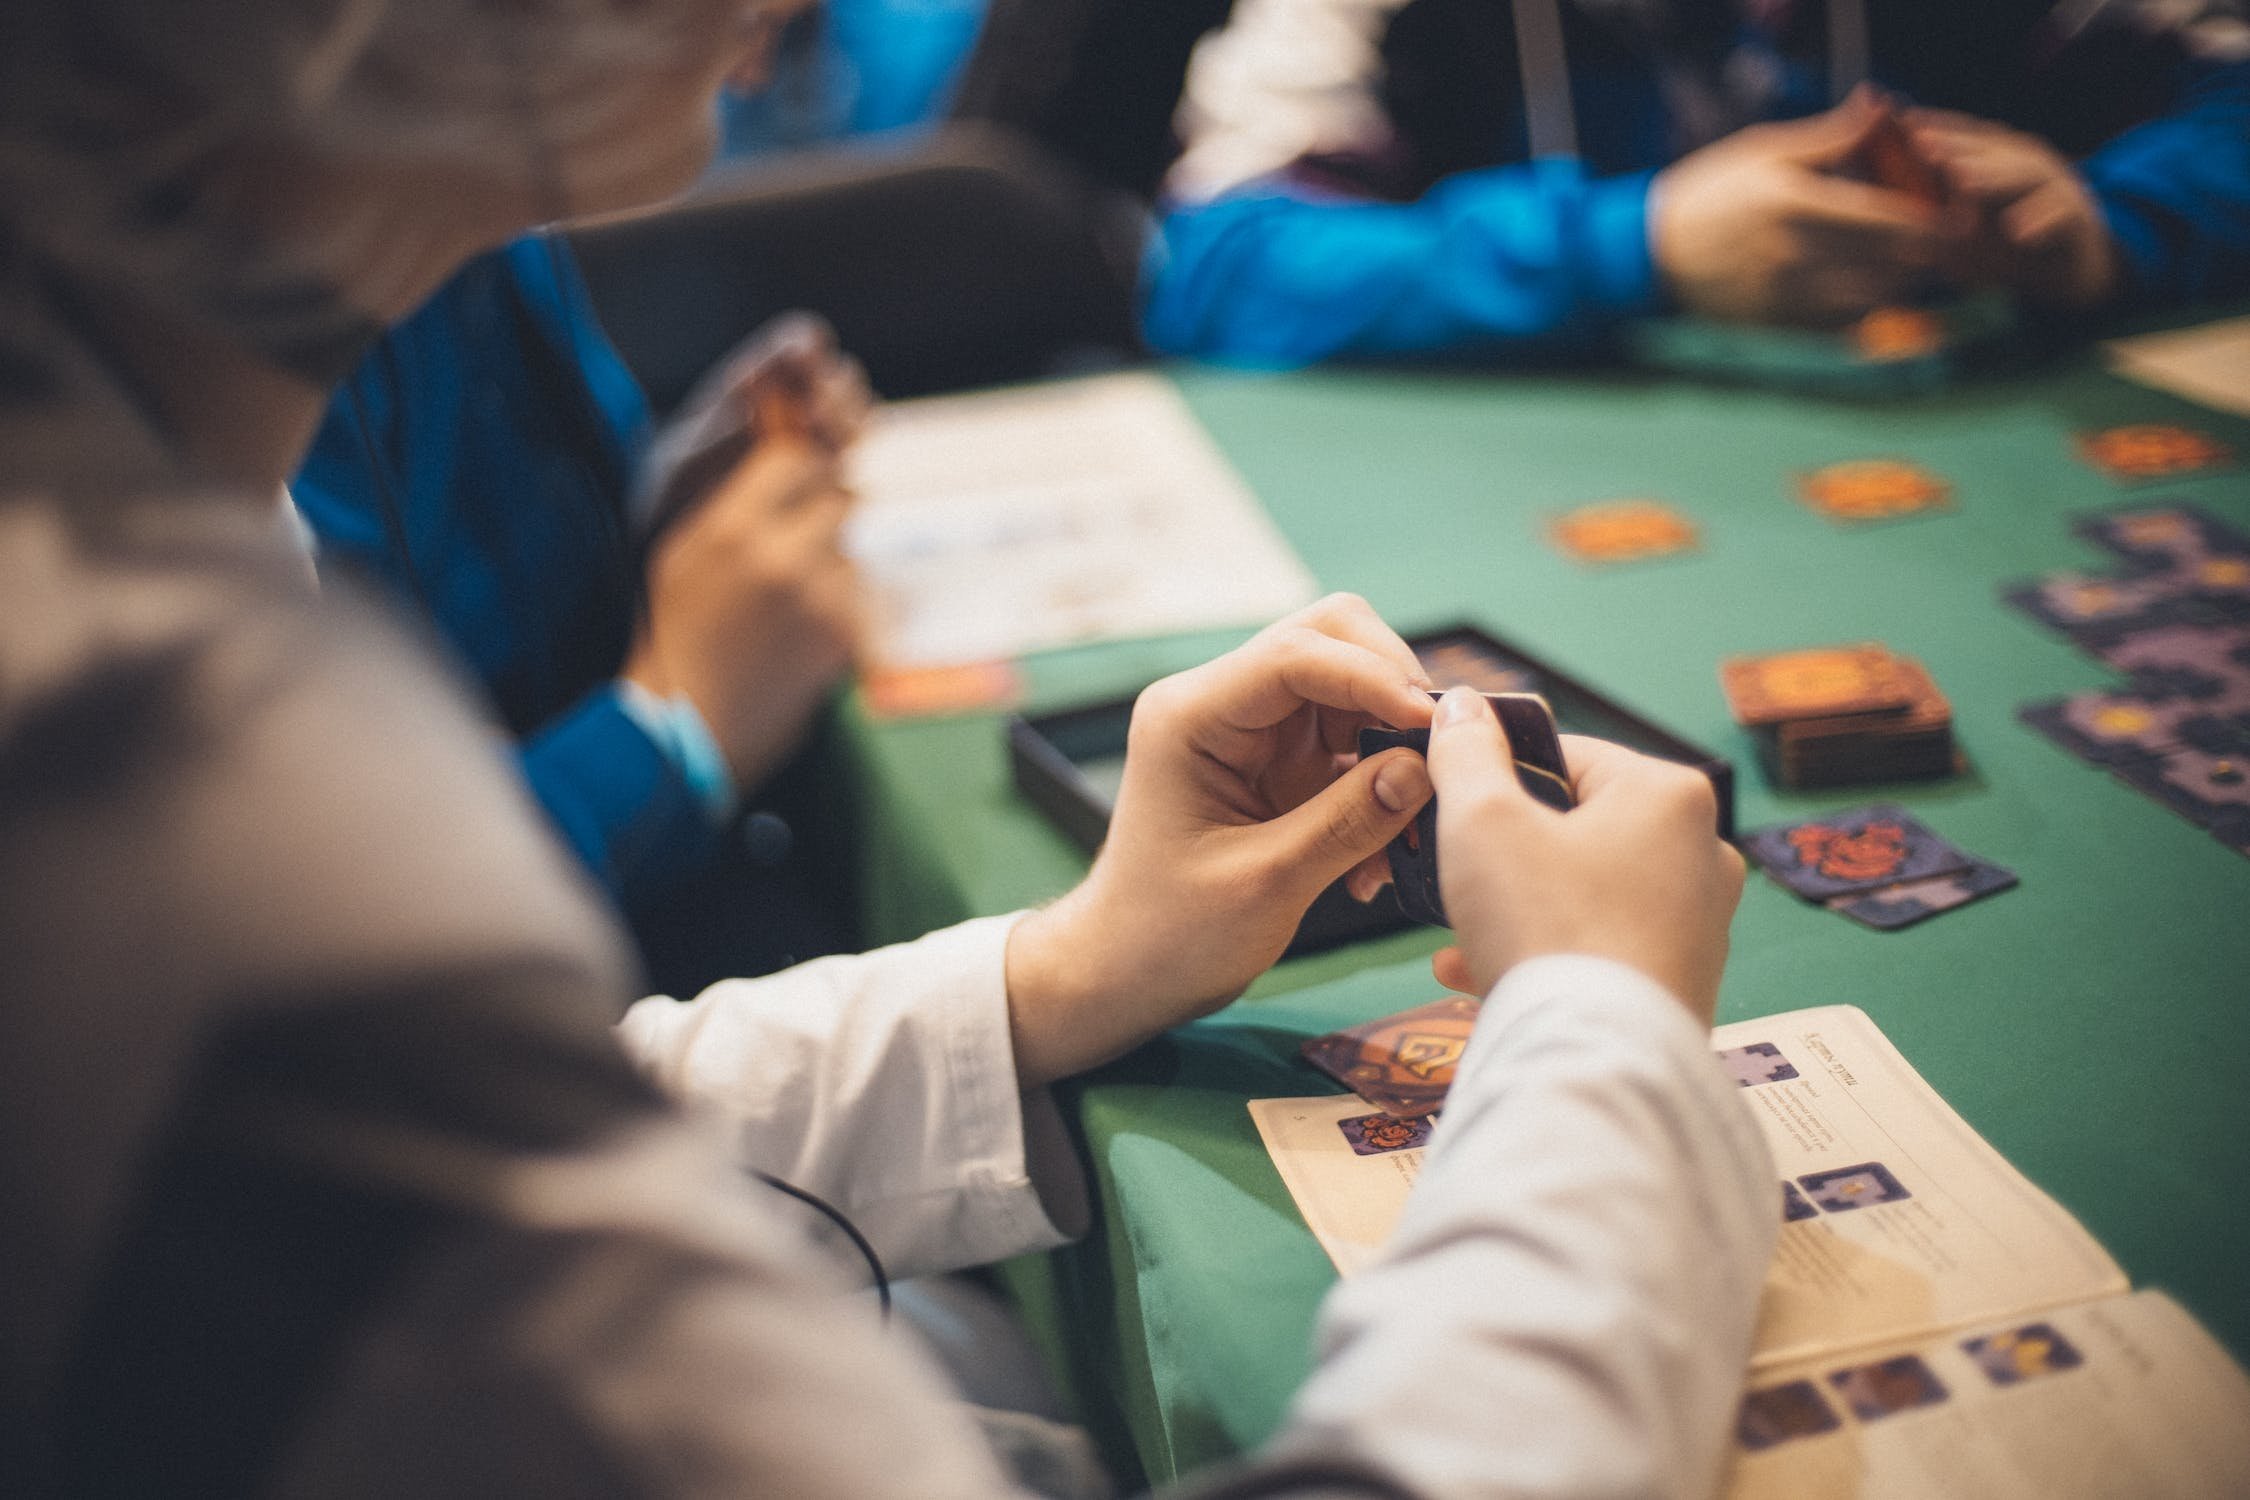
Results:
<point x="621" y="803"/>
<point x="1486" y="259"/>
<point x="2176" y="194"/>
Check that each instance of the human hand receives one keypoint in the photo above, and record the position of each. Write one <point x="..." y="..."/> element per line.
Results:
<point x="1240" y="803"/>
<point x="752" y="606"/>
<point x="791" y="369"/>
<point x="1759" y="228"/>
<point x="1634" y="873"/>
<point x="2029" y="220"/>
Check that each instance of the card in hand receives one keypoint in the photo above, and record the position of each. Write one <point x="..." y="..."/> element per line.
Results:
<point x="1401" y="1064"/>
<point x="1537" y="748"/>
<point x="1850" y="852"/>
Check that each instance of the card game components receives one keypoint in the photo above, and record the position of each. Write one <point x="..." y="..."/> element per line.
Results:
<point x="1876" y="864"/>
<point x="1842" y="715"/>
<point x="935" y="692"/>
<point x="1537" y="748"/>
<point x="1401" y="1064"/>
<point x="2152" y="450"/>
<point x="1898" y="333"/>
<point x="1873" y="489"/>
<point x="2176" y="622"/>
<point x="1615" y="531"/>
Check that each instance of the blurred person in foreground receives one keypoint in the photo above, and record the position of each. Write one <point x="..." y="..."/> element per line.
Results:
<point x="1391" y="178"/>
<point x="325" y="1172"/>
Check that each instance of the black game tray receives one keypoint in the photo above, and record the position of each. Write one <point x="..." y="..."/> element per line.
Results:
<point x="1068" y="763"/>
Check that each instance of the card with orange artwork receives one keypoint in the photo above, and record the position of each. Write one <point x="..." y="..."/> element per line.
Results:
<point x="932" y="692"/>
<point x="1815" y="683"/>
<point x="1615" y="531"/>
<point x="1873" y="489"/>
<point x="2152" y="450"/>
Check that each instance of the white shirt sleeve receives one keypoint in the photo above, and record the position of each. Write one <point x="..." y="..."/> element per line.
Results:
<point x="885" y="1082"/>
<point x="1567" y="1307"/>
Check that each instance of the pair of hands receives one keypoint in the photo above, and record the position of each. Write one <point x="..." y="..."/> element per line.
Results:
<point x="1242" y="800"/>
<point x="752" y="608"/>
<point x="1761" y="227"/>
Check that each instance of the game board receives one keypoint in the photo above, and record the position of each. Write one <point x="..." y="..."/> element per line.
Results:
<point x="2175" y="619"/>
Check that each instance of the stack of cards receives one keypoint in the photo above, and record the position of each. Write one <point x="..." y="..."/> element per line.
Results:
<point x="1876" y="865"/>
<point x="1401" y="1064"/>
<point x="1842" y="715"/>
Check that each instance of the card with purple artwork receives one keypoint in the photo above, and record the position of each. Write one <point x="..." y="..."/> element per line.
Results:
<point x="2021" y="1354"/>
<point x="1903" y="905"/>
<point x="1756" y="1063"/>
<point x="1781" y="1412"/>
<point x="1889" y="1386"/>
<point x="1849" y="852"/>
<point x="1377" y="1135"/>
<point x="1842" y="1189"/>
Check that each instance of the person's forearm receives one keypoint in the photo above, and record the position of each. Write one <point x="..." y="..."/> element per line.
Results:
<point x="884" y="1082"/>
<point x="2175" y="194"/>
<point x="1508" y="256"/>
<point x="1566" y="1308"/>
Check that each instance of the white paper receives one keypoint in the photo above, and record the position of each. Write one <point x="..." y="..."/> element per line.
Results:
<point x="1944" y="1230"/>
<point x="1350" y="1201"/>
<point x="994" y="524"/>
<point x="2209" y="364"/>
<point x="2125" y="1396"/>
<point x="1910" y="1222"/>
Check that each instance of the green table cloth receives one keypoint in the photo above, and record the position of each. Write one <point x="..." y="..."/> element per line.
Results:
<point x="2094" y="1024"/>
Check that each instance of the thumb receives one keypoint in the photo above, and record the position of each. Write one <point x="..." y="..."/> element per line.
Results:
<point x="1352" y="818"/>
<point x="1469" y="752"/>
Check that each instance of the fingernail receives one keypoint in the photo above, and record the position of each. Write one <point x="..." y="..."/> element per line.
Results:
<point x="1402" y="783"/>
<point x="1459" y="705"/>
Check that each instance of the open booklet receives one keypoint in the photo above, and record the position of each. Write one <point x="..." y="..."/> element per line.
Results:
<point x="1932" y="1324"/>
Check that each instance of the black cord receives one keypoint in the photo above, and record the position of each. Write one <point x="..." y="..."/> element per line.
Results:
<point x="851" y="1232"/>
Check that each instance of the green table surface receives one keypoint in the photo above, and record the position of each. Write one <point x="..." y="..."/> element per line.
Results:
<point x="2094" y="1024"/>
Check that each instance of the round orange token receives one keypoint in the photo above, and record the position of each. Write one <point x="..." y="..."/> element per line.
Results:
<point x="1618" y="530"/>
<point x="2150" y="450"/>
<point x="1873" y="489"/>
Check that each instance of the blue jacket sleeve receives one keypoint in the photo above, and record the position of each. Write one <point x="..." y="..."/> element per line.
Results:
<point x="627" y="809"/>
<point x="2176" y="194"/>
<point x="1485" y="260"/>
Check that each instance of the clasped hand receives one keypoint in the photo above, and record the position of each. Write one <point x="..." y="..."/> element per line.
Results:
<point x="1242" y="799"/>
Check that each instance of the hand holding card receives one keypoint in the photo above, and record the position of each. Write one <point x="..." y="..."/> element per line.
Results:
<point x="1635" y="874"/>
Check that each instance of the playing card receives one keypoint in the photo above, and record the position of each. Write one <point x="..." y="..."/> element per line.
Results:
<point x="1850" y="852"/>
<point x="1622" y="531"/>
<point x="1873" y="489"/>
<point x="1374" y="1135"/>
<point x="1453" y="664"/>
<point x="2207" y="785"/>
<point x="1539" y="767"/>
<point x="1401" y="1064"/>
<point x="2106" y="728"/>
<point x="2091" y="608"/>
<point x="1816" y="683"/>
<point x="2152" y="450"/>
<point x="931" y="692"/>
<point x="2172" y="534"/>
<point x="1894" y="906"/>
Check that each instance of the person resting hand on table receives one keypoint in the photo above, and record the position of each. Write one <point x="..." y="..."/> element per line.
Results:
<point x="322" y="1157"/>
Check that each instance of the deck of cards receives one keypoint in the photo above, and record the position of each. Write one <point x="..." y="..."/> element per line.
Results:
<point x="1842" y="715"/>
<point x="1876" y="865"/>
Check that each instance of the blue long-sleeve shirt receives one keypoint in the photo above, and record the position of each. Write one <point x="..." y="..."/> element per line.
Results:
<point x="477" y="462"/>
<point x="1552" y="252"/>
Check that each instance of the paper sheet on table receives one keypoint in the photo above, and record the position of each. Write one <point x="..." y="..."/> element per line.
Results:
<point x="1003" y="522"/>
<point x="2121" y="1396"/>
<point x="1900" y="1220"/>
<point x="2208" y="364"/>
